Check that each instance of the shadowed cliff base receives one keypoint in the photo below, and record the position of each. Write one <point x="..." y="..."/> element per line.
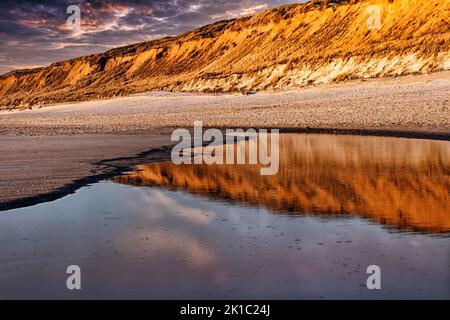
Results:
<point x="291" y="46"/>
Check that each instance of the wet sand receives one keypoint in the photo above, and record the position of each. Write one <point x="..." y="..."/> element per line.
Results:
<point x="49" y="152"/>
<point x="35" y="169"/>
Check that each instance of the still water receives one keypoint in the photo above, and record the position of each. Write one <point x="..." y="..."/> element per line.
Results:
<point x="338" y="205"/>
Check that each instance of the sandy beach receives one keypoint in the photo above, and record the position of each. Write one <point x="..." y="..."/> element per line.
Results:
<point x="198" y="155"/>
<point x="51" y="151"/>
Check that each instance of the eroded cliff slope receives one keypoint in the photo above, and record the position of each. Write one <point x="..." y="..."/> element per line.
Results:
<point x="286" y="47"/>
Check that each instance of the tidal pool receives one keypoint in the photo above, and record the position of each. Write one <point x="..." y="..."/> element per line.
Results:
<point x="337" y="205"/>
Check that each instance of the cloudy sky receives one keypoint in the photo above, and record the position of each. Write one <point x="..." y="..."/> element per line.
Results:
<point x="35" y="33"/>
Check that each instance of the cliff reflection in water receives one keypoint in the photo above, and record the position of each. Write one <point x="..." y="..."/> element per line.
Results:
<point x="404" y="183"/>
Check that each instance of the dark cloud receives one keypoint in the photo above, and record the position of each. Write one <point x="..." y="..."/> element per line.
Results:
<point x="34" y="33"/>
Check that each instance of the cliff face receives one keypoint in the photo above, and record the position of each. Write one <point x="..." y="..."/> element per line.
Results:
<point x="286" y="47"/>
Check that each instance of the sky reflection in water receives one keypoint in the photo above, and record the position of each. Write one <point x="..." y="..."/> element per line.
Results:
<point x="310" y="232"/>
